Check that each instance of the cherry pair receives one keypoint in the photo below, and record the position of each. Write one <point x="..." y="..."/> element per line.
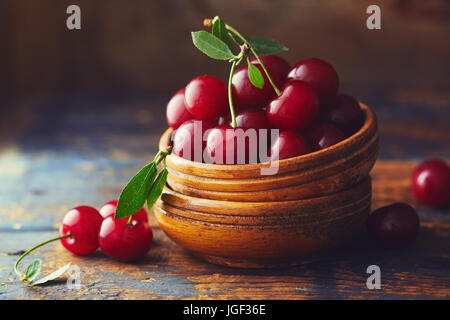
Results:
<point x="85" y="229"/>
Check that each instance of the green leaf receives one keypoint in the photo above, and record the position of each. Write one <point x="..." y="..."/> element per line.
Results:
<point x="157" y="188"/>
<point x="212" y="46"/>
<point x="33" y="270"/>
<point x="254" y="75"/>
<point x="135" y="193"/>
<point x="52" y="276"/>
<point x="220" y="31"/>
<point x="266" y="46"/>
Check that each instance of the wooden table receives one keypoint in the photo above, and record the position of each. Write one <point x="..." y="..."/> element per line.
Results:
<point x="67" y="151"/>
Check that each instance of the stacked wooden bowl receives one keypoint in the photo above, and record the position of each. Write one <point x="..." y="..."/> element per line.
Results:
<point x="233" y="215"/>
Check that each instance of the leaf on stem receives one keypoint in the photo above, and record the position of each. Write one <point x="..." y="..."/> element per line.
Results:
<point x="33" y="270"/>
<point x="220" y="31"/>
<point x="254" y="75"/>
<point x="266" y="46"/>
<point x="157" y="188"/>
<point x="211" y="45"/>
<point x="52" y="276"/>
<point x="134" y="195"/>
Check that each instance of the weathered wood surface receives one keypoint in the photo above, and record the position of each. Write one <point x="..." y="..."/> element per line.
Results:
<point x="68" y="153"/>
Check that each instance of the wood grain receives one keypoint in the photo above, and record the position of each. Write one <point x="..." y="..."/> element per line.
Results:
<point x="169" y="272"/>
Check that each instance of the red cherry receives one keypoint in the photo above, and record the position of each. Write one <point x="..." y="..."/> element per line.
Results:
<point x="223" y="120"/>
<point x="295" y="108"/>
<point x="320" y="75"/>
<point x="109" y="210"/>
<point x="83" y="224"/>
<point x="188" y="135"/>
<point x="176" y="113"/>
<point x="227" y="145"/>
<point x="345" y="114"/>
<point x="246" y="95"/>
<point x="288" y="144"/>
<point x="324" y="135"/>
<point x="251" y="118"/>
<point x="206" y="97"/>
<point x="395" y="226"/>
<point x="125" y="242"/>
<point x="430" y="182"/>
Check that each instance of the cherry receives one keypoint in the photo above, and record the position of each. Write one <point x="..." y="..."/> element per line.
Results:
<point x="288" y="144"/>
<point x="295" y="108"/>
<point x="83" y="224"/>
<point x="109" y="210"/>
<point x="206" y="97"/>
<point x="176" y="113"/>
<point x="395" y="226"/>
<point x="227" y="145"/>
<point x="345" y="113"/>
<point x="187" y="136"/>
<point x="246" y="95"/>
<point x="430" y="182"/>
<point x="125" y="241"/>
<point x="324" y="135"/>
<point x="224" y="119"/>
<point x="320" y="75"/>
<point x="251" y="118"/>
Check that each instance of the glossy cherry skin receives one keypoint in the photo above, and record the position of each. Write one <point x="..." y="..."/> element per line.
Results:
<point x="83" y="223"/>
<point x="324" y="135"/>
<point x="109" y="210"/>
<point x="176" y="112"/>
<point x="227" y="145"/>
<point x="320" y="75"/>
<point x="206" y="97"/>
<point x="395" y="226"/>
<point x="346" y="114"/>
<point x="246" y="95"/>
<point x="251" y="118"/>
<point x="295" y="108"/>
<point x="189" y="134"/>
<point x="288" y="144"/>
<point x="125" y="242"/>
<point x="430" y="182"/>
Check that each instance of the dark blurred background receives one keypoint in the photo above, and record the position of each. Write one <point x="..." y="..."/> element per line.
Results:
<point x="138" y="50"/>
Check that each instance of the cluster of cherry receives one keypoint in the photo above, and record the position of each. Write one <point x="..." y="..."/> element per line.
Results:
<point x="84" y="229"/>
<point x="309" y="112"/>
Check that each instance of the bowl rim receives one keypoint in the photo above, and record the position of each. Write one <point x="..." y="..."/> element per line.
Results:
<point x="369" y="124"/>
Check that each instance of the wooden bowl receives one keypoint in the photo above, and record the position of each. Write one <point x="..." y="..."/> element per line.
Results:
<point x="233" y="215"/>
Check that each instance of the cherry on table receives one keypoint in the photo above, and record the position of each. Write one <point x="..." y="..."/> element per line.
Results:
<point x="395" y="226"/>
<point x="324" y="135"/>
<point x="176" y="112"/>
<point x="109" y="210"/>
<point x="246" y="95"/>
<point x="295" y="108"/>
<point x="345" y="113"/>
<point x="288" y="144"/>
<point x="206" y="97"/>
<point x="187" y="136"/>
<point x="83" y="224"/>
<point x="320" y="75"/>
<point x="228" y="145"/>
<point x="125" y="241"/>
<point x="430" y="182"/>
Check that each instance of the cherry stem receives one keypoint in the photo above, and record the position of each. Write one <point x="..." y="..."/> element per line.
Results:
<point x="230" y="97"/>
<point x="240" y="36"/>
<point x="130" y="220"/>
<point x="21" y="275"/>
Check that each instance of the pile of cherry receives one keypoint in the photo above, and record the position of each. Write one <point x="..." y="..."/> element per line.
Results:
<point x="309" y="112"/>
<point x="122" y="239"/>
